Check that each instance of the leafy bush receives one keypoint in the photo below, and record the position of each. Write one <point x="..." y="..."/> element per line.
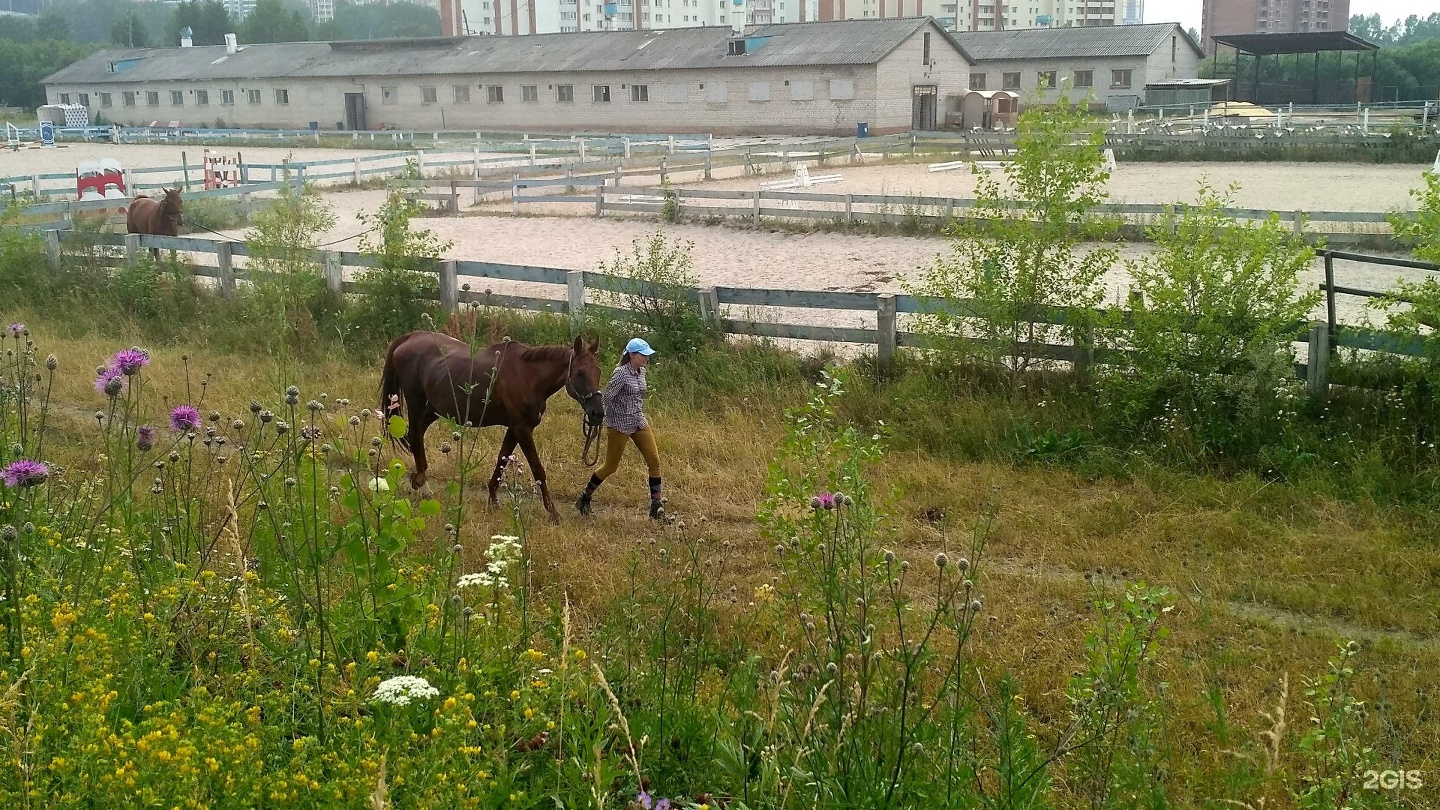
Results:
<point x="655" y="283"/>
<point x="1017" y="255"/>
<point x="1212" y="314"/>
<point x="211" y="214"/>
<point x="287" y="304"/>
<point x="402" y="287"/>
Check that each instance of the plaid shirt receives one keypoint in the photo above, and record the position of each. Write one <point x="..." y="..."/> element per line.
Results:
<point x="623" y="399"/>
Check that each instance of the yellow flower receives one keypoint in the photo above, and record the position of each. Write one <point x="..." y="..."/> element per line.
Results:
<point x="579" y="655"/>
<point x="372" y="656"/>
<point x="449" y="704"/>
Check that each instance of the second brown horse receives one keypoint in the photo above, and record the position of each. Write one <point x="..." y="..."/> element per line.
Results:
<point x="161" y="217"/>
<point x="434" y="375"/>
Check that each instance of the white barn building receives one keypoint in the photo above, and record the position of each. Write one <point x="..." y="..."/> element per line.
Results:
<point x="802" y="78"/>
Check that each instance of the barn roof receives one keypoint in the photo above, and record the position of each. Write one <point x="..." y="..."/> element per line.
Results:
<point x="847" y="42"/>
<point x="1069" y="43"/>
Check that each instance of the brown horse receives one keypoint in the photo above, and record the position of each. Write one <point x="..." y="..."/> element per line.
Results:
<point x="158" y="217"/>
<point x="435" y="375"/>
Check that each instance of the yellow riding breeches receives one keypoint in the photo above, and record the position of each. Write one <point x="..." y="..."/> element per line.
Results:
<point x="615" y="442"/>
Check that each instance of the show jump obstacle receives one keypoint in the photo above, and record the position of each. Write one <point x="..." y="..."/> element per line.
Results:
<point x="802" y="179"/>
<point x="102" y="180"/>
<point x="221" y="171"/>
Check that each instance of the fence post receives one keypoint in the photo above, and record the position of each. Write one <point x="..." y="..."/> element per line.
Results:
<point x="749" y="164"/>
<point x="582" y="150"/>
<point x="885" y="328"/>
<point x="1330" y="294"/>
<point x="599" y="201"/>
<point x="672" y="145"/>
<point x="454" y="202"/>
<point x="663" y="173"/>
<point x="35" y="188"/>
<point x="449" y="289"/>
<point x="707" y="165"/>
<point x="334" y="278"/>
<point x="756" y="215"/>
<point x="912" y="144"/>
<point x="575" y="288"/>
<point x="710" y="308"/>
<point x="619" y="175"/>
<point x="52" y="250"/>
<point x="420" y="162"/>
<point x="1317" y="371"/>
<point x="132" y="247"/>
<point x="849" y="209"/>
<point x="1299" y="218"/>
<point x="627" y="147"/>
<point x="185" y="168"/>
<point x="532" y="155"/>
<point x="226" y="269"/>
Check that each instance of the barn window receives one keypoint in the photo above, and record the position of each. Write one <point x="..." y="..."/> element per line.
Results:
<point x="758" y="91"/>
<point x="462" y="94"/>
<point x="104" y="99"/>
<point x="802" y="90"/>
<point x="926" y="59"/>
<point x="639" y="92"/>
<point x="842" y="89"/>
<point x="428" y="95"/>
<point x="529" y="93"/>
<point x="977" y="81"/>
<point x="252" y="96"/>
<point x="600" y="94"/>
<point x="1045" y="79"/>
<point x="389" y="95"/>
<point x="1010" y="81"/>
<point x="227" y="97"/>
<point x="127" y="98"/>
<point x="565" y="93"/>
<point x="84" y="99"/>
<point x="1120" y="79"/>
<point x="1084" y="78"/>
<point x="677" y="93"/>
<point x="152" y="98"/>
<point x="177" y="98"/>
<point x="495" y="94"/>
<point x="282" y="96"/>
<point x="202" y="98"/>
<point x="64" y="98"/>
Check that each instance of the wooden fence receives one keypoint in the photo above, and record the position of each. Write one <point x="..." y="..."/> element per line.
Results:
<point x="1320" y="339"/>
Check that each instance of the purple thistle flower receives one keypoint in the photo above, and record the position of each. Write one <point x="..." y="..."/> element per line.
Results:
<point x="144" y="438"/>
<point x="663" y="804"/>
<point x="110" y="382"/>
<point x="824" y="500"/>
<point x="130" y="361"/>
<point x="644" y="799"/>
<point x="24" y="473"/>
<point x="16" y="329"/>
<point x="184" y="418"/>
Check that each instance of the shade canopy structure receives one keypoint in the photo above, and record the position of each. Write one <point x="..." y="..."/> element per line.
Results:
<point x="1277" y="69"/>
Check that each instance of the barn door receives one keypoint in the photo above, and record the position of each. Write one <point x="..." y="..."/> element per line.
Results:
<point x="923" y="108"/>
<point x="355" y="111"/>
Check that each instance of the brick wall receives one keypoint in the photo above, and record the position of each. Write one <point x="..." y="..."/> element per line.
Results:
<point x="905" y="68"/>
<point x="1065" y="69"/>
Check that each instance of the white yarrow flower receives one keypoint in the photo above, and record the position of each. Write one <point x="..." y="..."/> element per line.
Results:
<point x="400" y="690"/>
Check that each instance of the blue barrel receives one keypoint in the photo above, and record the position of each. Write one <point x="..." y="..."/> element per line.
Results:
<point x="862" y="130"/>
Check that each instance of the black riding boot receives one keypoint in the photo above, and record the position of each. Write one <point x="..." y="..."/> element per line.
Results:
<point x="657" y="503"/>
<point x="583" y="503"/>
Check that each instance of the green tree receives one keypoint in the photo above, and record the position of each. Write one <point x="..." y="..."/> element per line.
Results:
<point x="52" y="27"/>
<point x="23" y="65"/>
<point x="271" y="21"/>
<point x="208" y="21"/>
<point x="1018" y="256"/>
<point x="130" y="32"/>
<point x="375" y="21"/>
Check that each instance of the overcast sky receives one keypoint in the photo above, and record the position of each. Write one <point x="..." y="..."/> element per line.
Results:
<point x="1187" y="12"/>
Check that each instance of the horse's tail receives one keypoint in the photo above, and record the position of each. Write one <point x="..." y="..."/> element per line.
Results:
<point x="391" y="399"/>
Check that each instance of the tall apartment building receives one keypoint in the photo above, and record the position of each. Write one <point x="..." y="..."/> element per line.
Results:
<point x="1134" y="13"/>
<point x="512" y="17"/>
<point x="1271" y="17"/>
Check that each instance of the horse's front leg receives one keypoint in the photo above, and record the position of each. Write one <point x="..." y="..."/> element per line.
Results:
<point x="507" y="446"/>
<point x="527" y="444"/>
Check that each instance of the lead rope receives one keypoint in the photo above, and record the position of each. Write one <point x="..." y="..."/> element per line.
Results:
<point x="591" y="433"/>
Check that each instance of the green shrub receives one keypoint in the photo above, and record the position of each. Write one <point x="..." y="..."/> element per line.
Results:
<point x="209" y="214"/>
<point x="402" y="288"/>
<point x="655" y="283"/>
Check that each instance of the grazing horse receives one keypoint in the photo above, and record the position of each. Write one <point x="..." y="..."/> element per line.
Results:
<point x="435" y="375"/>
<point x="158" y="217"/>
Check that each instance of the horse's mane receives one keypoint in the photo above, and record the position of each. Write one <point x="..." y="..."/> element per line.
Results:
<point x="546" y="353"/>
<point x="169" y="202"/>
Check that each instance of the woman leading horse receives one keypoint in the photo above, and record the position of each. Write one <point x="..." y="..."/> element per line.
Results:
<point x="434" y="375"/>
<point x="624" y="423"/>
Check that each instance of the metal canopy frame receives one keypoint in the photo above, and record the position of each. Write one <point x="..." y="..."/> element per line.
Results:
<point x="1259" y="46"/>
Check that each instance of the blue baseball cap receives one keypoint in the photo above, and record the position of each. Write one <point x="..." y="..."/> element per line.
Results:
<point x="638" y="346"/>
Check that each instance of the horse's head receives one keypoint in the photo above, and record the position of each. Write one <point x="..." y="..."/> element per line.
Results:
<point x="583" y="380"/>
<point x="171" y="208"/>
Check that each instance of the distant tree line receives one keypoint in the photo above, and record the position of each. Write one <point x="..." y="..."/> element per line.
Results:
<point x="32" y="47"/>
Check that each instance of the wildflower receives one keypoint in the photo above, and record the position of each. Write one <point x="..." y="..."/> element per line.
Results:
<point x="16" y="329"/>
<point x="401" y="689"/>
<point x="23" y="473"/>
<point x="51" y="363"/>
<point x="109" y="381"/>
<point x="144" y="438"/>
<point x="184" y="418"/>
<point x="292" y="395"/>
<point x="130" y="361"/>
<point x="823" y="501"/>
<point x="941" y="560"/>
<point x="645" y="800"/>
